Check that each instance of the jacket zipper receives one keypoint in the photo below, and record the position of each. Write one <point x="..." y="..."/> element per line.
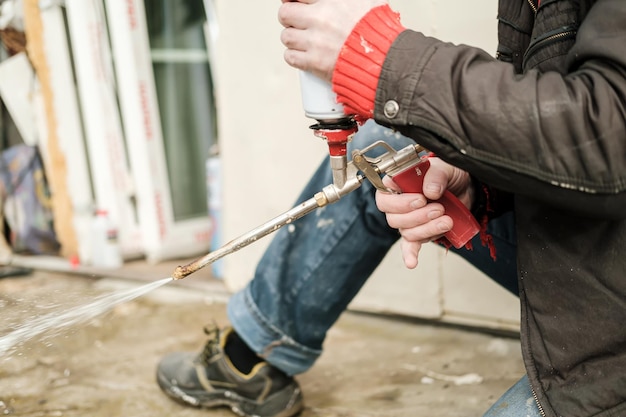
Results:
<point x="561" y="33"/>
<point x="556" y="35"/>
<point x="543" y="413"/>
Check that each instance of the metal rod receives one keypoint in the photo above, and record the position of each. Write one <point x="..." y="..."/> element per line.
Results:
<point x="250" y="237"/>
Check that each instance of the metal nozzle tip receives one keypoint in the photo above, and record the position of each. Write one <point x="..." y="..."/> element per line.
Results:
<point x="179" y="273"/>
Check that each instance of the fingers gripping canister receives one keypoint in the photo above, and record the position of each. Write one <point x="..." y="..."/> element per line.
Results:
<point x="410" y="179"/>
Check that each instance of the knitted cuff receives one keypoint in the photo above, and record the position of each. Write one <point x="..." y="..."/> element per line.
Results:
<point x="361" y="59"/>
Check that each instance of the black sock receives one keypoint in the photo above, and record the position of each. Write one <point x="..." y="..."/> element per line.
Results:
<point x="241" y="356"/>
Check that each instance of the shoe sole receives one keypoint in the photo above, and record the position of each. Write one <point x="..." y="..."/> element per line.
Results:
<point x="225" y="398"/>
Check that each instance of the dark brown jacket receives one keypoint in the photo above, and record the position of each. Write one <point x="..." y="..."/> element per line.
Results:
<point x="547" y="123"/>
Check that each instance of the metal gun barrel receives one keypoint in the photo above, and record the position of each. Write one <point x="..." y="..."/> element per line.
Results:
<point x="248" y="238"/>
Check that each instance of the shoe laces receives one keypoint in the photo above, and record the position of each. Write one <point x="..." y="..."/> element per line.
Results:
<point x="212" y="345"/>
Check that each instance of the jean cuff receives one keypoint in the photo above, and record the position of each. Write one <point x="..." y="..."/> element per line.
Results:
<point x="269" y="342"/>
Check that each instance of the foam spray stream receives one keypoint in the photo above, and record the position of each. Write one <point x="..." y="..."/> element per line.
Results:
<point x="75" y="316"/>
<point x="104" y="303"/>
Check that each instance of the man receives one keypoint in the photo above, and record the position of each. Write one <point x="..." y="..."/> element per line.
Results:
<point x="541" y="137"/>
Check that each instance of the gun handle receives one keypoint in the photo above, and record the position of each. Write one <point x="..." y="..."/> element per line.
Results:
<point x="465" y="227"/>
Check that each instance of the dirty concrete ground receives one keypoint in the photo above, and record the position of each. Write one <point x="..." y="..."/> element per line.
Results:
<point x="105" y="367"/>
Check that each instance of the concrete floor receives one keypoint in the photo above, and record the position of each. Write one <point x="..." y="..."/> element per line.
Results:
<point x="105" y="366"/>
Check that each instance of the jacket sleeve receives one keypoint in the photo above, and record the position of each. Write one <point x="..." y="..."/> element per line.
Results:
<point x="559" y="138"/>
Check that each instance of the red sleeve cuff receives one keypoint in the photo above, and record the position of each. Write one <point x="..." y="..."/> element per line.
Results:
<point x="361" y="59"/>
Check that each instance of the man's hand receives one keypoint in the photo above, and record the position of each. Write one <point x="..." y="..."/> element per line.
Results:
<point x="315" y="31"/>
<point x="418" y="217"/>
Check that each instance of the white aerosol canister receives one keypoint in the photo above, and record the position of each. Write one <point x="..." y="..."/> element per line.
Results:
<point x="105" y="250"/>
<point x="318" y="99"/>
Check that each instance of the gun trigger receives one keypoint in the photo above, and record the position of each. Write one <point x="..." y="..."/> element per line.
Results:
<point x="369" y="171"/>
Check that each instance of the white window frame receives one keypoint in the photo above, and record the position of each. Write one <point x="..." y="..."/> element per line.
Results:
<point x="113" y="186"/>
<point x="163" y="236"/>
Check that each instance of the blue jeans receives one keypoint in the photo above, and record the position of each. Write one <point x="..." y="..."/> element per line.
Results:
<point x="518" y="401"/>
<point x="327" y="256"/>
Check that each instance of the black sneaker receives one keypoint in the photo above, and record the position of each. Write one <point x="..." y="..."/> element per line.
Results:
<point x="210" y="380"/>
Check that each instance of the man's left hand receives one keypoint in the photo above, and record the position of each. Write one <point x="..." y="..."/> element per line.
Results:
<point x="315" y="31"/>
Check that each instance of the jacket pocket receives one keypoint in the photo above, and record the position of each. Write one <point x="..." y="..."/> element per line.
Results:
<point x="550" y="45"/>
<point x="553" y="35"/>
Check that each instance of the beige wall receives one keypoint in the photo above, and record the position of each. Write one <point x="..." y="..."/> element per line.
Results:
<point x="269" y="153"/>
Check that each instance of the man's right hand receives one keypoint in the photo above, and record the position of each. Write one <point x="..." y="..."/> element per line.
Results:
<point x="419" y="217"/>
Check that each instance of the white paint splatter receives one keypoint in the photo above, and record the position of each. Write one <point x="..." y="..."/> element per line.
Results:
<point x="427" y="380"/>
<point x="367" y="48"/>
<point x="467" y="379"/>
<point x="322" y="223"/>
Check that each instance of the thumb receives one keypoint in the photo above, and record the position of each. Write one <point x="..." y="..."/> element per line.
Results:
<point x="436" y="180"/>
<point x="390" y="184"/>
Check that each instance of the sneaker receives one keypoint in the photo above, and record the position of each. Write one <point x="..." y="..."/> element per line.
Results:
<point x="210" y="380"/>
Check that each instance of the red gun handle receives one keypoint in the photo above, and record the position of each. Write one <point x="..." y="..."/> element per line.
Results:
<point x="465" y="227"/>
